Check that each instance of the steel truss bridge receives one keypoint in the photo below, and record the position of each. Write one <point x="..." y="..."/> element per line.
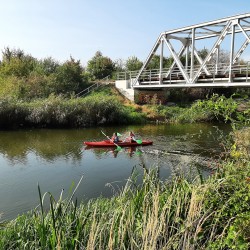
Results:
<point x="229" y="34"/>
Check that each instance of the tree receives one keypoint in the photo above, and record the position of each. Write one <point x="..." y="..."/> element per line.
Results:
<point x="133" y="64"/>
<point x="16" y="63"/>
<point x="155" y="62"/>
<point x="46" y="66"/>
<point x="120" y="65"/>
<point x="100" y="66"/>
<point x="68" y="77"/>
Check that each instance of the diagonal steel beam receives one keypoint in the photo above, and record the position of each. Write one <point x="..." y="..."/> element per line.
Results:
<point x="152" y="52"/>
<point x="244" y="32"/>
<point x="177" y="59"/>
<point x="201" y="61"/>
<point x="213" y="50"/>
<point x="242" y="48"/>
<point x="174" y="63"/>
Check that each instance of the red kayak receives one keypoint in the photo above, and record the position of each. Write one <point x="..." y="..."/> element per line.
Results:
<point x="108" y="143"/>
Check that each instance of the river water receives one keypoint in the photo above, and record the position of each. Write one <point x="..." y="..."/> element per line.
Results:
<point x="56" y="159"/>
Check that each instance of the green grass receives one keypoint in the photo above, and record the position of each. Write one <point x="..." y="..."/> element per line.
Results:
<point x="156" y="214"/>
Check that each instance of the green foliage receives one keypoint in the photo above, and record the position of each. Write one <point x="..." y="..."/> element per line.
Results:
<point x="25" y="77"/>
<point x="56" y="111"/>
<point x="12" y="113"/>
<point x="170" y="114"/>
<point x="68" y="77"/>
<point x="155" y="62"/>
<point x="16" y="63"/>
<point x="133" y="64"/>
<point x="46" y="66"/>
<point x="216" y="108"/>
<point x="229" y="199"/>
<point x="100" y="66"/>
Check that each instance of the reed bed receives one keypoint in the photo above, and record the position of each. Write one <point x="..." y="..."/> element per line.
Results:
<point x="57" y="111"/>
<point x="156" y="214"/>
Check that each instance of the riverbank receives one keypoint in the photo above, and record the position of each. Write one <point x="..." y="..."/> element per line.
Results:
<point x="174" y="214"/>
<point x="58" y="112"/>
<point x="107" y="107"/>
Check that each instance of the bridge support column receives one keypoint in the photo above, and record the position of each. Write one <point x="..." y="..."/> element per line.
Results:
<point x="232" y="53"/>
<point x="161" y="62"/>
<point x="192" y="55"/>
<point x="217" y="59"/>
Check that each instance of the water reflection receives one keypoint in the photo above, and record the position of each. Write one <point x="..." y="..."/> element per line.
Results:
<point x="47" y="144"/>
<point x="53" y="144"/>
<point x="127" y="151"/>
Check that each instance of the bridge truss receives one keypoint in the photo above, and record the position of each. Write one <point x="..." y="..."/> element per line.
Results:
<point x="231" y="33"/>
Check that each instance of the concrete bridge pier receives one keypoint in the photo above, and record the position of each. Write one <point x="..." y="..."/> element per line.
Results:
<point x="125" y="88"/>
<point x="141" y="96"/>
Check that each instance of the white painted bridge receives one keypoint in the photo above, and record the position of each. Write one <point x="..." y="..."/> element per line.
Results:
<point x="229" y="34"/>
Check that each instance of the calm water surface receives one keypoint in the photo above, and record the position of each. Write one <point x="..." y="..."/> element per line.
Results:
<point x="56" y="159"/>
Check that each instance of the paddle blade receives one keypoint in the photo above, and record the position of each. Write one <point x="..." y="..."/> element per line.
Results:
<point x="118" y="148"/>
<point x="138" y="152"/>
<point x="119" y="134"/>
<point x="139" y="141"/>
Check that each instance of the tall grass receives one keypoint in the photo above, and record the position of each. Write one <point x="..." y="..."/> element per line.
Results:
<point x="215" y="108"/>
<point x="57" y="111"/>
<point x="155" y="214"/>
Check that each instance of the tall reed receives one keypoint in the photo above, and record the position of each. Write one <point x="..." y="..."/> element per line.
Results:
<point x="155" y="214"/>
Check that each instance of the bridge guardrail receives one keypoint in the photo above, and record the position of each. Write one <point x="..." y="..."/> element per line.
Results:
<point x="96" y="85"/>
<point x="169" y="76"/>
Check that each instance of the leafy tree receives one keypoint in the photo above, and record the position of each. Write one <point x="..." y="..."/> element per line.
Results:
<point x="155" y="62"/>
<point x="68" y="77"/>
<point x="133" y="64"/>
<point x="120" y="65"/>
<point x="46" y="66"/>
<point x="203" y="53"/>
<point x="16" y="63"/>
<point x="100" y="66"/>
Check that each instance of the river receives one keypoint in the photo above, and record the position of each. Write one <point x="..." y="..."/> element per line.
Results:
<point x="56" y="159"/>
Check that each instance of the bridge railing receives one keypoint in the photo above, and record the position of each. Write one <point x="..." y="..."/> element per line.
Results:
<point x="94" y="86"/>
<point x="213" y="73"/>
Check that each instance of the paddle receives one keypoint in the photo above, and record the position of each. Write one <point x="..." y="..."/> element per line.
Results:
<point x="139" y="141"/>
<point x="118" y="147"/>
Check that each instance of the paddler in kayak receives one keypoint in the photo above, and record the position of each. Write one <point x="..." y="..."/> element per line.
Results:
<point x="131" y="137"/>
<point x="115" y="138"/>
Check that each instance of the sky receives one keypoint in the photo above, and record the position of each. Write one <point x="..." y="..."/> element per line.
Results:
<point x="118" y="28"/>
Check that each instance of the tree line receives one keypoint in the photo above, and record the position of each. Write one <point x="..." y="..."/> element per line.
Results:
<point x="25" y="77"/>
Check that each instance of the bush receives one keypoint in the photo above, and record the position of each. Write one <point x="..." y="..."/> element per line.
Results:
<point x="56" y="111"/>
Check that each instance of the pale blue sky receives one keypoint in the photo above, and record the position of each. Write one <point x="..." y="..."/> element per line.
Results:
<point x="119" y="29"/>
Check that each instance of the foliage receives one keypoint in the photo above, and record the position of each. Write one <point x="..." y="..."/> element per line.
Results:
<point x="100" y="66"/>
<point x="25" y="77"/>
<point x="215" y="108"/>
<point x="57" y="111"/>
<point x="155" y="62"/>
<point x="119" y="65"/>
<point x="16" y="63"/>
<point x="68" y="77"/>
<point x="133" y="64"/>
<point x="46" y="66"/>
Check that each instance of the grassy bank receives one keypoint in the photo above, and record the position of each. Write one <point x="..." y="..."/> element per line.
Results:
<point x="156" y="214"/>
<point x="58" y="112"/>
<point x="107" y="107"/>
<point x="214" y="109"/>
